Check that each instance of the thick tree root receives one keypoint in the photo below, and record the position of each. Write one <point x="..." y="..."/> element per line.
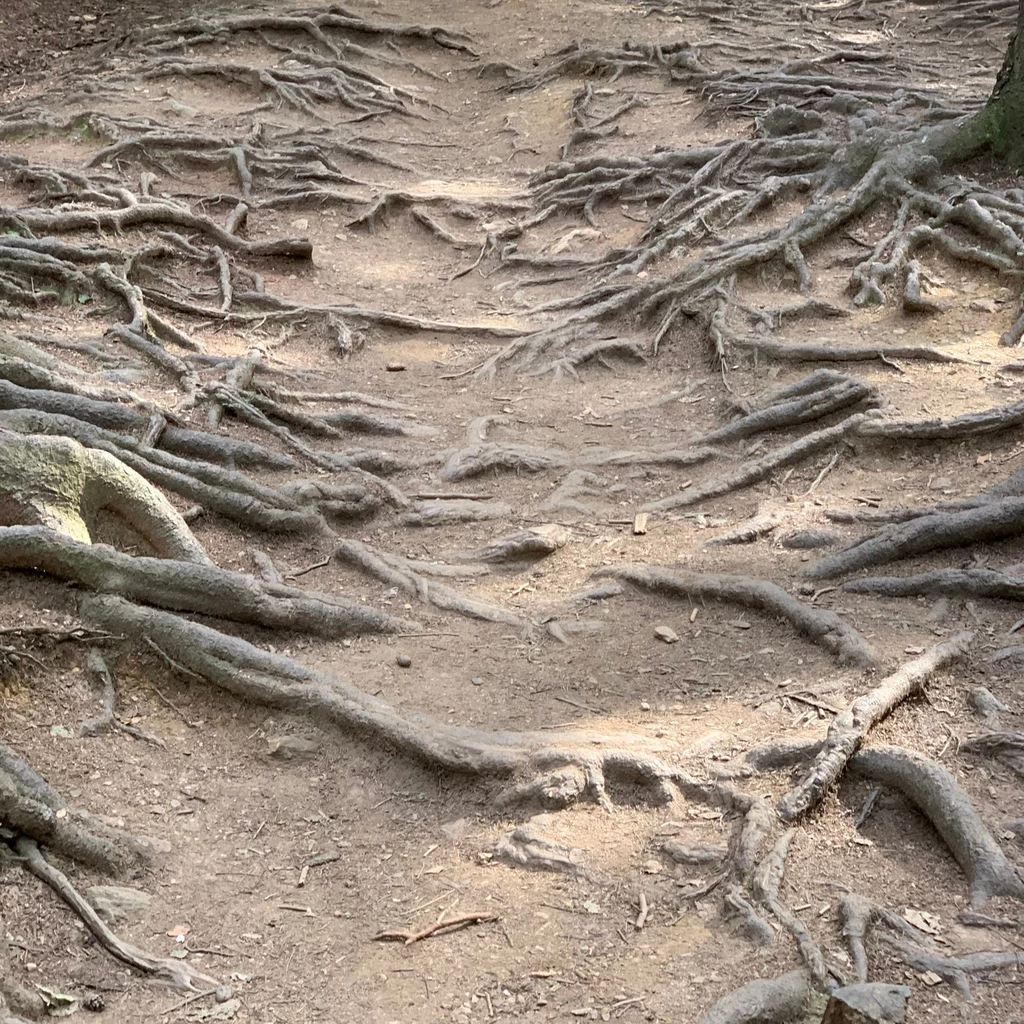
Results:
<point x="960" y="582"/>
<point x="581" y="761"/>
<point x="850" y="728"/>
<point x="97" y="667"/>
<point x="782" y="1000"/>
<point x="829" y="353"/>
<point x="58" y="484"/>
<point x="975" y="424"/>
<point x="818" y="625"/>
<point x="185" y="586"/>
<point x="995" y="520"/>
<point x="941" y="800"/>
<point x="30" y="806"/>
<point x="760" y="525"/>
<point x="178" y="973"/>
<point x="754" y="470"/>
<point x="187" y="443"/>
<point x="746" y="921"/>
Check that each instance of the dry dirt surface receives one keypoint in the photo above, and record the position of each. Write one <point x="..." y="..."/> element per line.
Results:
<point x="576" y="428"/>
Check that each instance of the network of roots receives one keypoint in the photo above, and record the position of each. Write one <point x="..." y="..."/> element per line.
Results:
<point x="125" y="437"/>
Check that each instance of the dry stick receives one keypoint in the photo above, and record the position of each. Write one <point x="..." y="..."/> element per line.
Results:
<point x="757" y="469"/>
<point x="462" y="921"/>
<point x="940" y="798"/>
<point x="849" y="729"/>
<point x="819" y="625"/>
<point x="176" y="972"/>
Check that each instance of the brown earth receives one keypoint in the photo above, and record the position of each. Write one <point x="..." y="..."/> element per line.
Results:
<point x="415" y="844"/>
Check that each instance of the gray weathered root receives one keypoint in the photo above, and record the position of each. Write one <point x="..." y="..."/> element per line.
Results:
<point x="945" y="804"/>
<point x="191" y="587"/>
<point x="781" y="1000"/>
<point x="818" y="625"/>
<point x="850" y="728"/>
<point x="961" y="582"/>
<point x="995" y="520"/>
<point x="54" y="482"/>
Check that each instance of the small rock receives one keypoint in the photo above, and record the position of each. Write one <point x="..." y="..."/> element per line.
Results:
<point x="652" y="867"/>
<point x="872" y="1002"/>
<point x="404" y="661"/>
<point x="477" y="681"/>
<point x="300" y="223"/>
<point x="62" y="731"/>
<point x="115" y="903"/>
<point x="223" y="993"/>
<point x="983" y="305"/>
<point x="940" y="483"/>
<point x="666" y="634"/>
<point x="395" y="367"/>
<point x="94" y="1003"/>
<point x="289" y="748"/>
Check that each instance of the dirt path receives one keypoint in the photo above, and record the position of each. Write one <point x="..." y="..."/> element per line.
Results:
<point x="412" y="175"/>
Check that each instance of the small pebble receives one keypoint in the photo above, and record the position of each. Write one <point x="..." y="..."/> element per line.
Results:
<point x="223" y="993"/>
<point x="395" y="367"/>
<point x="404" y="661"/>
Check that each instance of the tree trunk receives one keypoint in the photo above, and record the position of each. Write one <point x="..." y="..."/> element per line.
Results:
<point x="1003" y="115"/>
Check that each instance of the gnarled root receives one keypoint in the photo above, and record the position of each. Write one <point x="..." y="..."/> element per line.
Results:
<point x="819" y="625"/>
<point x="186" y="586"/>
<point x="56" y="483"/>
<point x="584" y="760"/>
<point x="960" y="582"/>
<point x="781" y="1000"/>
<point x="942" y="801"/>
<point x="849" y="729"/>
<point x="995" y="520"/>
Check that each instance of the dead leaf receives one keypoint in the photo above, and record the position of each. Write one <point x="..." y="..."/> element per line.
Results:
<point x="922" y="920"/>
<point x="179" y="931"/>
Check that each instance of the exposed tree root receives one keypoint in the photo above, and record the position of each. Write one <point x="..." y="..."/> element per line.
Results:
<point x="955" y="970"/>
<point x="961" y="582"/>
<point x="582" y="761"/>
<point x="396" y="571"/>
<point x="995" y="520"/>
<point x="108" y="719"/>
<point x="781" y="1000"/>
<point x="766" y="881"/>
<point x="819" y="625"/>
<point x="849" y="729"/>
<point x="187" y="586"/>
<point x="760" y="525"/>
<point x="805" y="403"/>
<point x="755" y="470"/>
<point x="975" y="424"/>
<point x="939" y="797"/>
<point x="178" y="973"/>
<point x="746" y="921"/>
<point x="1007" y="747"/>
<point x="858" y="915"/>
<point x="58" y="484"/>
<point x="526" y="545"/>
<point x="829" y="353"/>
<point x="30" y="806"/>
<point x="528" y="848"/>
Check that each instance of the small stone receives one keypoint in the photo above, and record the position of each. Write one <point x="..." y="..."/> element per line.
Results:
<point x="983" y="305"/>
<point x="666" y="634"/>
<point x="652" y="867"/>
<point x="477" y="681"/>
<point x="223" y="993"/>
<point x="940" y="483"/>
<point x="288" y="748"/>
<point x="404" y="661"/>
<point x="94" y="1003"/>
<point x="300" y="223"/>
<point x="116" y="903"/>
<point x="395" y="367"/>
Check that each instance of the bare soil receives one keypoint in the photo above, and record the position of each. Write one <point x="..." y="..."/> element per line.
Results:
<point x="239" y="825"/>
